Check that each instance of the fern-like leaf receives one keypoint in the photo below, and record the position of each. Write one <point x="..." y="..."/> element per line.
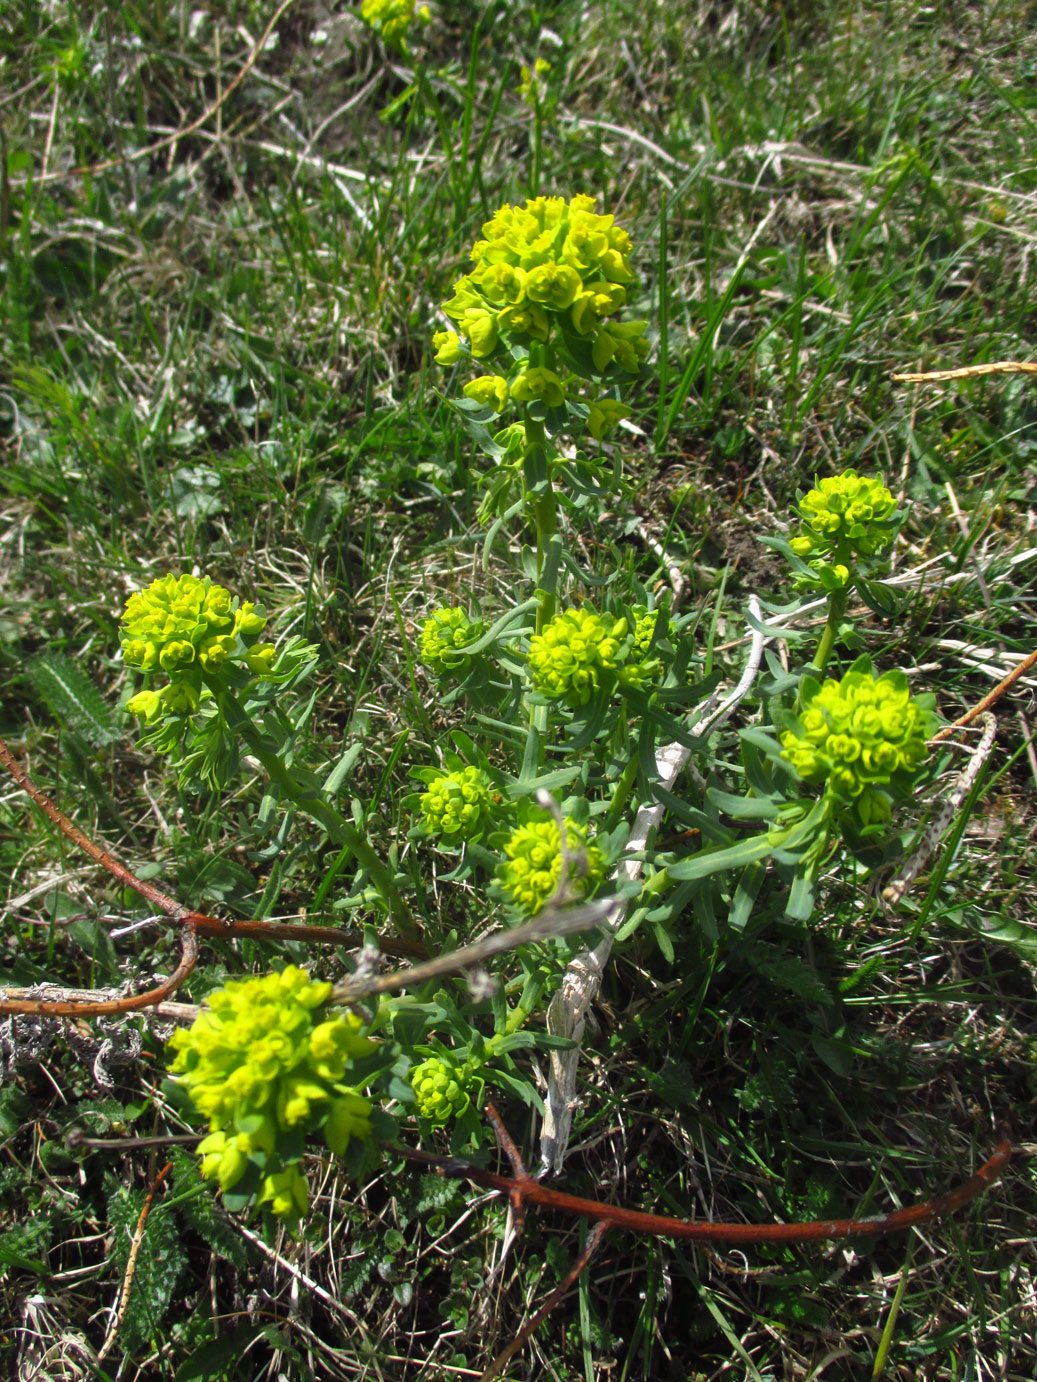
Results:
<point x="72" y="698"/>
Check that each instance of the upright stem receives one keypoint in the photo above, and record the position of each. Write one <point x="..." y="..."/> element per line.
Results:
<point x="837" y="602"/>
<point x="545" y="517"/>
<point x="337" y="829"/>
<point x="546" y="521"/>
<point x="621" y="794"/>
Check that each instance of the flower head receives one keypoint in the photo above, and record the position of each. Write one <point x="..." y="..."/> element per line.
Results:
<point x="391" y="19"/>
<point x="859" y="735"/>
<point x="446" y="629"/>
<point x="458" y="805"/>
<point x="581" y="655"/>
<point x="538" y="383"/>
<point x="532" y="867"/>
<point x="605" y="413"/>
<point x="577" y="655"/>
<point x="531" y="84"/>
<point x="548" y="263"/>
<point x="491" y="390"/>
<point x="262" y="1058"/>
<point x="182" y="623"/>
<point x="442" y="1088"/>
<point x="846" y="515"/>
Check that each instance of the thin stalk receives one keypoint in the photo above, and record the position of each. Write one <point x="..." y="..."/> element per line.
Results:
<point x="621" y="794"/>
<point x="338" y="830"/>
<point x="837" y="602"/>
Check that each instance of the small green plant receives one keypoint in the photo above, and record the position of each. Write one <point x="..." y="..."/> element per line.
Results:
<point x="578" y="693"/>
<point x="391" y="20"/>
<point x="217" y="256"/>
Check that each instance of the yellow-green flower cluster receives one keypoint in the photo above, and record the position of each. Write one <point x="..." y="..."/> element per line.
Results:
<point x="181" y="622"/>
<point x="549" y="264"/>
<point x="442" y="1089"/>
<point x="578" y="655"/>
<point x="581" y="655"/>
<point x="531" y="84"/>
<point x="846" y="515"/>
<point x="264" y="1058"/>
<point x="391" y="19"/>
<point x="447" y="629"/>
<point x="644" y="628"/>
<point x="532" y="866"/>
<point x="858" y="734"/>
<point x="458" y="805"/>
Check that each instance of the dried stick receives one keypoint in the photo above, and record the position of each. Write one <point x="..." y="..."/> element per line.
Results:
<point x="579" y="985"/>
<point x="192" y="923"/>
<point x="937" y="376"/>
<point x="930" y="839"/>
<point x="172" y="908"/>
<point x="131" y="1264"/>
<point x="991" y="698"/>
<point x="549" y="923"/>
<point x="75" y="1007"/>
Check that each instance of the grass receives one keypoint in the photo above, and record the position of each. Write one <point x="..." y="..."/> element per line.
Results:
<point x="216" y="356"/>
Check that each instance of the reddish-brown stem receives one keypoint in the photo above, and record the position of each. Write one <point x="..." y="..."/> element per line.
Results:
<point x="76" y="1007"/>
<point x="154" y="895"/>
<point x="193" y="923"/>
<point x="706" y="1231"/>
<point x="594" y="1241"/>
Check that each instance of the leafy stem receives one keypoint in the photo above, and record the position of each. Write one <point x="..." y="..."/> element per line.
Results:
<point x="837" y="602"/>
<point x="304" y="791"/>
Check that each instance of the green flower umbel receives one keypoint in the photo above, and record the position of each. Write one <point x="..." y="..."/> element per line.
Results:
<point x="188" y="628"/>
<point x="263" y="1059"/>
<point x="860" y="736"/>
<point x="442" y="1089"/>
<point x="847" y="517"/>
<point x="551" y="265"/>
<point x="391" y="19"/>
<point x="582" y="655"/>
<point x="529" y="874"/>
<point x="181" y="622"/>
<point x="446" y="630"/>
<point x="579" y="655"/>
<point x="458" y="805"/>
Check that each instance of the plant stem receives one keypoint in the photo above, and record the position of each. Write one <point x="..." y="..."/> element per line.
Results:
<point x="546" y="520"/>
<point x="309" y="800"/>
<point x="621" y="794"/>
<point x="837" y="602"/>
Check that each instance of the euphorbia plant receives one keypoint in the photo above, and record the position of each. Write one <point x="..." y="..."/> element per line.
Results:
<point x="560" y="702"/>
<point x="573" y="694"/>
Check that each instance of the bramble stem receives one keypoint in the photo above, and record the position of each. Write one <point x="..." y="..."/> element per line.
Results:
<point x="523" y="1186"/>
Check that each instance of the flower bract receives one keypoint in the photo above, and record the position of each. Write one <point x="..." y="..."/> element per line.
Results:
<point x="857" y="735"/>
<point x="447" y="629"/>
<point x="532" y="867"/>
<point x="391" y="19"/>
<point x="441" y="1087"/>
<point x="265" y="1057"/>
<point x="458" y="805"/>
<point x="581" y="655"/>
<point x="550" y="264"/>
<point x="180" y="624"/>
<point x="846" y="515"/>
